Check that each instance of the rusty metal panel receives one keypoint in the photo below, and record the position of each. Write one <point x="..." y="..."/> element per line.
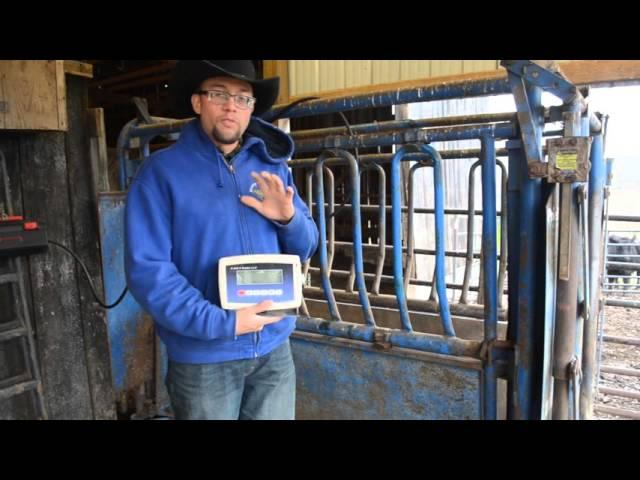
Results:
<point x="132" y="341"/>
<point x="346" y="379"/>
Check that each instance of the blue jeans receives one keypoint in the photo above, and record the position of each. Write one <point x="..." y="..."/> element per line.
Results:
<point x="261" y="388"/>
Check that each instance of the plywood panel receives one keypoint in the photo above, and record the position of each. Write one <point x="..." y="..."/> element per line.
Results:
<point x="33" y="92"/>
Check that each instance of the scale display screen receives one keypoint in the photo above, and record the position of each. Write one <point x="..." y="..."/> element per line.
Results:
<point x="260" y="277"/>
<point x="246" y="280"/>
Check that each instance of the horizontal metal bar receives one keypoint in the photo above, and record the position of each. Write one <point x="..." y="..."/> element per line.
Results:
<point x="389" y="278"/>
<point x="425" y="342"/>
<point x="8" y="278"/>
<point x="624" y="265"/>
<point x="375" y="208"/>
<point x="385" y="158"/>
<point x="17" y="389"/>
<point x="421" y="251"/>
<point x="618" y="392"/>
<point x="620" y="303"/>
<point x="438" y="134"/>
<point x="629" y="372"/>
<point x="620" y="412"/>
<point x="390" y="301"/>
<point x="10" y="334"/>
<point x="401" y="124"/>
<point x="622" y="340"/>
<point x="441" y="91"/>
<point x="623" y="218"/>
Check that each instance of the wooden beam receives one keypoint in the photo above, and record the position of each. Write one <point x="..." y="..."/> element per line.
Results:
<point x="81" y="69"/>
<point x="142" y="72"/>
<point x="141" y="82"/>
<point x="278" y="68"/>
<point x="580" y="72"/>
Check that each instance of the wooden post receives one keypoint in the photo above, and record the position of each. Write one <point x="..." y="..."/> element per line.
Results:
<point x="84" y="221"/>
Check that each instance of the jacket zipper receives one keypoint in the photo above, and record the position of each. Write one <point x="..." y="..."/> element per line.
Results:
<point x="243" y="229"/>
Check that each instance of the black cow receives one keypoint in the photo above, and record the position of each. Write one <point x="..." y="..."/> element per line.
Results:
<point x="620" y="250"/>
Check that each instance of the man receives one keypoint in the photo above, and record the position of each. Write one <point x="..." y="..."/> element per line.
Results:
<point x="223" y="189"/>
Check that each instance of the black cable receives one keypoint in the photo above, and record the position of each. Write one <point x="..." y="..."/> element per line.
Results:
<point x="86" y="272"/>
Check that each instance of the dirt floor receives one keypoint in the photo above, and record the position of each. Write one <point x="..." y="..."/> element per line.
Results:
<point x="621" y="322"/>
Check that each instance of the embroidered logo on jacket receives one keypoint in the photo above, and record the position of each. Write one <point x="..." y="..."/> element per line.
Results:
<point x="255" y="190"/>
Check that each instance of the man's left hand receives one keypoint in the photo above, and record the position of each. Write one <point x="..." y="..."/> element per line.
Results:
<point x="277" y="202"/>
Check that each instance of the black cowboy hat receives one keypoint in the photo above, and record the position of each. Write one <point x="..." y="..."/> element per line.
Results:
<point x="189" y="74"/>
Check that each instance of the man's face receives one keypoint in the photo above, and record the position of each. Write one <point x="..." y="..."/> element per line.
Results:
<point x="224" y="123"/>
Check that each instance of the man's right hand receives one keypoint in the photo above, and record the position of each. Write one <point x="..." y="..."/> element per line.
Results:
<point x="248" y="320"/>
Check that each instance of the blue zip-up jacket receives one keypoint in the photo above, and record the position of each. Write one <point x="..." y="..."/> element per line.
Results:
<point x="183" y="214"/>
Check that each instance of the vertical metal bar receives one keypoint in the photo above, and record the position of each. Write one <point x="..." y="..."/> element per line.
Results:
<point x="596" y="203"/>
<point x="468" y="264"/>
<point x="502" y="272"/>
<point x="408" y="269"/>
<point x="438" y="206"/>
<point x="529" y="272"/>
<point x="305" y="267"/>
<point x="490" y="260"/>
<point x="396" y="225"/>
<point x="382" y="226"/>
<point x="564" y="344"/>
<point x="123" y="154"/>
<point x="322" y="248"/>
<point x="331" y="229"/>
<point x="357" y="235"/>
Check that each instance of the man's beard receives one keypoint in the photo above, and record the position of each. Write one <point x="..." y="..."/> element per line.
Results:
<point x="227" y="138"/>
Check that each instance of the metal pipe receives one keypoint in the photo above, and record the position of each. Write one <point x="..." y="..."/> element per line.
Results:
<point x="389" y="279"/>
<point x="629" y="372"/>
<point x="621" y="303"/>
<point x="635" y="341"/>
<point x="470" y="232"/>
<point x="590" y="339"/>
<point x="415" y="340"/>
<point x="447" y="211"/>
<point x="439" y="134"/>
<point x="357" y="235"/>
<point x="489" y="248"/>
<point x="391" y="301"/>
<point x="438" y="205"/>
<point x="502" y="271"/>
<point x="385" y="158"/>
<point x="377" y="127"/>
<point x="620" y="412"/>
<point x="408" y="269"/>
<point x="122" y="153"/>
<point x="417" y="251"/>
<point x="618" y="392"/>
<point x="525" y="270"/>
<point x="382" y="225"/>
<point x="442" y="91"/>
<point x="322" y="247"/>
<point x="566" y="324"/>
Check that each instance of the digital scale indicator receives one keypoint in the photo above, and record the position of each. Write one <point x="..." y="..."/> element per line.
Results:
<point x="246" y="280"/>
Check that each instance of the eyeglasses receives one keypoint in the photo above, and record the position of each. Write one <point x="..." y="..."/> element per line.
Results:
<point x="220" y="97"/>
